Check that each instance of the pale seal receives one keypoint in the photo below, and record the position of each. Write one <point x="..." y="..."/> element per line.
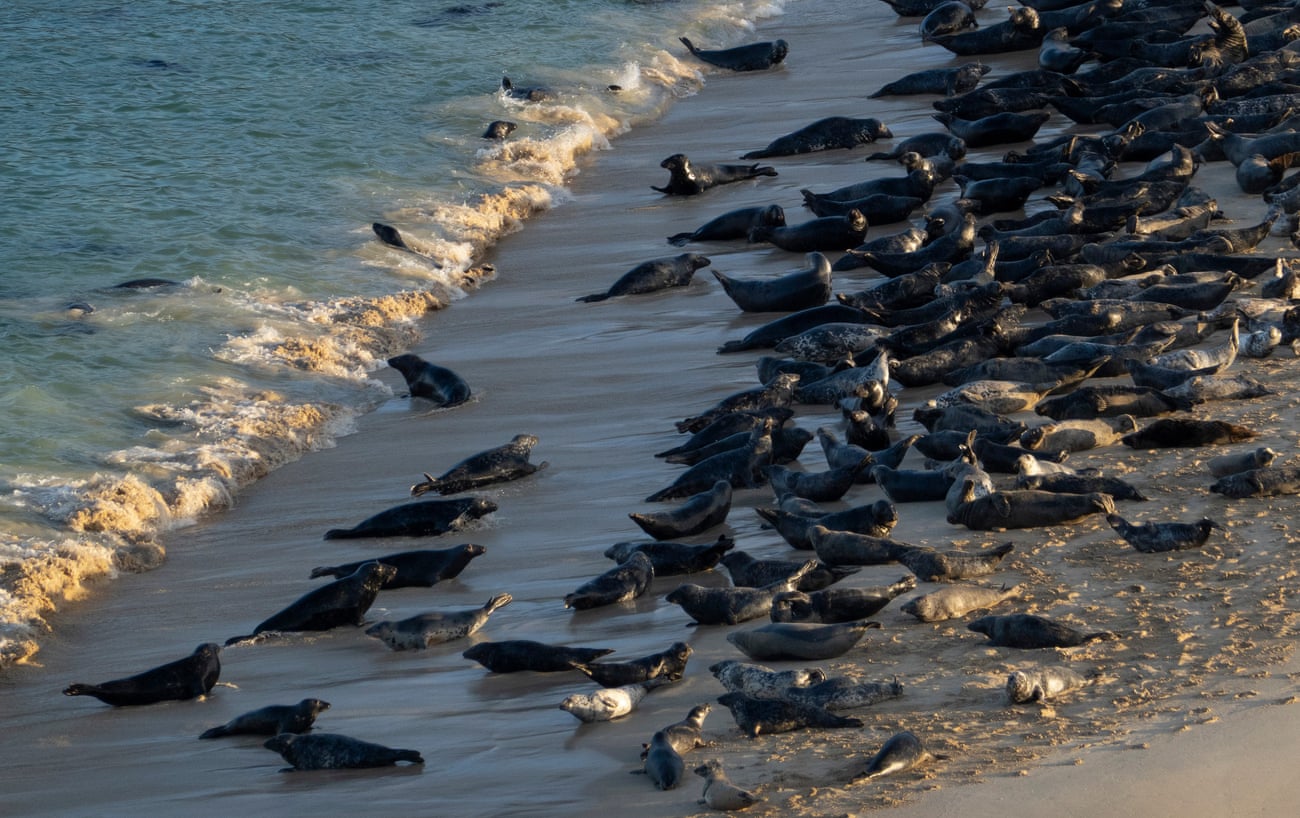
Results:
<point x="271" y="720"/>
<point x="687" y="179"/>
<point x="670" y="558"/>
<point x="182" y="679"/>
<point x="430" y="381"/>
<point x="835" y="605"/>
<point x="628" y="580"/>
<point x="719" y="793"/>
<point x="698" y="513"/>
<point x="330" y="751"/>
<point x="749" y="57"/>
<point x="415" y="569"/>
<point x="956" y="601"/>
<point x="609" y="703"/>
<point x="762" y="682"/>
<point x="1227" y="464"/>
<point x="653" y="276"/>
<point x="516" y="655"/>
<point x="1027" y="631"/>
<point x="1154" y="538"/>
<point x="668" y="664"/>
<point x="799" y="640"/>
<point x="335" y="604"/>
<point x="1041" y="685"/>
<point x="901" y="752"/>
<point x="427" y="518"/>
<point x="498" y="465"/>
<point x="420" y="631"/>
<point x="768" y="716"/>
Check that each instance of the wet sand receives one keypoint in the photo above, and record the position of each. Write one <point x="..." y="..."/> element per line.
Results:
<point x="1203" y="667"/>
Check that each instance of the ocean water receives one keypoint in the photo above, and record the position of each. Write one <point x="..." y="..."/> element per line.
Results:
<point x="241" y="150"/>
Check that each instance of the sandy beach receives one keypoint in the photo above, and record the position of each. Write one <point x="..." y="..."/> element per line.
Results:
<point x="1188" y="711"/>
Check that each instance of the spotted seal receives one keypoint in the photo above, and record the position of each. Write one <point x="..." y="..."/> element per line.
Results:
<point x="430" y="381"/>
<point x="628" y="580"/>
<point x="798" y="290"/>
<point x="843" y="693"/>
<point x="182" y="679"/>
<point x="835" y="605"/>
<point x="762" y="682"/>
<point x="415" y="569"/>
<point x="427" y="518"/>
<point x="271" y="720"/>
<point x="335" y="604"/>
<point x="668" y="664"/>
<point x="1027" y="631"/>
<point x="688" y="179"/>
<point x="671" y="558"/>
<point x="330" y="751"/>
<point x="1154" y="538"/>
<point x="734" y="224"/>
<point x="1042" y="684"/>
<point x="900" y="752"/>
<point x="500" y="464"/>
<point x="749" y="57"/>
<point x="828" y="133"/>
<point x="1273" y="481"/>
<point x="687" y="734"/>
<point x="516" y="655"/>
<point x="420" y="631"/>
<point x="768" y="716"/>
<point x="780" y="641"/>
<point x="653" y="276"/>
<point x="719" y="792"/>
<point x="609" y="703"/>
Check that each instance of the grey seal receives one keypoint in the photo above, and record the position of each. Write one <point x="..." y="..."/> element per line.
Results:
<point x="668" y="664"/>
<point x="687" y="179"/>
<point x="516" y="655"/>
<point x="946" y="81"/>
<point x="835" y="605"/>
<point x="826" y="233"/>
<point x="528" y="93"/>
<point x="995" y="129"/>
<point x="843" y="693"/>
<point x="420" y="631"/>
<point x="662" y="763"/>
<point x="1227" y="464"/>
<point x="780" y="641"/>
<point x="341" y="602"/>
<point x="742" y="467"/>
<point x="798" y="290"/>
<point x="330" y="751"/>
<point x="415" y="569"/>
<point x="687" y="734"/>
<point x="734" y="224"/>
<point x="1154" y="538"/>
<point x="182" y="679"/>
<point x="430" y="381"/>
<point x="609" y="703"/>
<point x="731" y="606"/>
<point x="1063" y="483"/>
<point x="828" y="133"/>
<point x="719" y="793"/>
<point x="900" y="753"/>
<point x="931" y="565"/>
<point x="778" y="393"/>
<point x="1041" y="685"/>
<point x="698" y="513"/>
<point x="820" y="487"/>
<point x="652" y="276"/>
<point x="1025" y="508"/>
<point x="768" y="716"/>
<point x="745" y="569"/>
<point x="762" y="682"/>
<point x="427" y="518"/>
<point x="1027" y="631"/>
<point x="749" y="57"/>
<point x="628" y="580"/>
<point x="849" y="548"/>
<point x="498" y="465"/>
<point x="271" y="720"/>
<point x="1268" y="482"/>
<point x="499" y="129"/>
<point x="956" y="601"/>
<point x="1171" y="432"/>
<point x="670" y="558"/>
<point x="1077" y="435"/>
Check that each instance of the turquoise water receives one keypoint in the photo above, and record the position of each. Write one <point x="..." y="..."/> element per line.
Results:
<point x="241" y="150"/>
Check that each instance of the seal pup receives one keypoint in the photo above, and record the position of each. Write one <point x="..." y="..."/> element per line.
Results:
<point x="1227" y="464"/>
<point x="420" y="631"/>
<point x="900" y="753"/>
<point x="734" y="224"/>
<point x="768" y="716"/>
<point x="341" y="602"/>
<point x="687" y="179"/>
<point x="427" y="518"/>
<point x="780" y="641"/>
<point x="750" y="57"/>
<point x="182" y="679"/>
<point x="628" y="580"/>
<point x="719" y="792"/>
<point x="271" y="720"/>
<point x="652" y="276"/>
<point x="930" y="565"/>
<point x="1153" y="538"/>
<point x="698" y="513"/>
<point x="835" y="605"/>
<point x="498" y="465"/>
<point x="1027" y="631"/>
<point x="609" y="703"/>
<point x="668" y="664"/>
<point x="798" y="290"/>
<point x="956" y="601"/>
<point x="662" y="763"/>
<point x="415" y="569"/>
<point x="330" y="751"/>
<point x="1041" y="685"/>
<point x="1273" y="481"/>
<point x="762" y="682"/>
<point x="670" y="558"/>
<point x="430" y="381"/>
<point x="731" y="606"/>
<point x="516" y="655"/>
<point x="825" y="134"/>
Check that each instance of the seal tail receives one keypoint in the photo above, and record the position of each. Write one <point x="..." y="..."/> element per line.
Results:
<point x="412" y="756"/>
<point x="323" y="571"/>
<point x="80" y="690"/>
<point x="732" y="346"/>
<point x="680" y="239"/>
<point x="760" y="170"/>
<point x="215" y="732"/>
<point x="498" y="601"/>
<point x="341" y="534"/>
<point x="430" y="483"/>
<point x="763" y="154"/>
<point x="593" y="297"/>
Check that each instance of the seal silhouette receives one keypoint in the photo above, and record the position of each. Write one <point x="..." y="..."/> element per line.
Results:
<point x="652" y="276"/>
<point x="497" y="465"/>
<point x="517" y="655"/>
<point x="271" y="720"/>
<point x="427" y="518"/>
<point x="182" y="679"/>
<point x="749" y="57"/>
<point x="762" y="682"/>
<point x="430" y="381"/>
<point x="418" y="569"/>
<point x="341" y="602"/>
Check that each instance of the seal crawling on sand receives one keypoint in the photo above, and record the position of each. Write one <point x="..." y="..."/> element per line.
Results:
<point x="182" y="679"/>
<point x="329" y="751"/>
<point x="688" y="179"/>
<point x="751" y="57"/>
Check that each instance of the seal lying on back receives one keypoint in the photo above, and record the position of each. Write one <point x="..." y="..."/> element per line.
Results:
<point x="420" y="631"/>
<point x="330" y="751"/>
<point x="1028" y="631"/>
<point x="837" y="604"/>
<point x="427" y="518"/>
<point x="430" y="381"/>
<point x="767" y="716"/>
<point x="687" y="179"/>
<point x="735" y="224"/>
<point x="751" y="57"/>
<point x="651" y="276"/>
<point x="271" y="720"/>
<point x="825" y="134"/>
<point x="609" y="703"/>
<point x="1154" y="538"/>
<point x="762" y="682"/>
<point x="507" y="462"/>
<point x="799" y="640"/>
<point x="341" y="602"/>
<point x="415" y="569"/>
<point x="798" y="290"/>
<point x="669" y="558"/>
<point x="182" y="679"/>
<point x="627" y="581"/>
<point x="1044" y="684"/>
<point x="903" y="751"/>
<point x="515" y="655"/>
<point x="668" y="664"/>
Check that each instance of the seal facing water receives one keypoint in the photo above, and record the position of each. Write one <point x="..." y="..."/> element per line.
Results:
<point x="186" y="678"/>
<point x="430" y="381"/>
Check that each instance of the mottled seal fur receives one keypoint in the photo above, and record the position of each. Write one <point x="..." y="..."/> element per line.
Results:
<point x="609" y="702"/>
<point x="768" y="716"/>
<point x="955" y="601"/>
<point x="335" y="604"/>
<point x="1227" y="464"/>
<point x="628" y="580"/>
<point x="1027" y="631"/>
<point x="430" y="381"/>
<point x="330" y="751"/>
<point x="516" y="655"/>
<point x="762" y="682"/>
<point x="668" y="664"/>
<point x="182" y="679"/>
<point x="1273" y="481"/>
<point x="653" y="276"/>
<point x="930" y="565"/>
<point x="271" y="720"/>
<point x="497" y="465"/>
<point x="1041" y="685"/>
<point x="420" y="631"/>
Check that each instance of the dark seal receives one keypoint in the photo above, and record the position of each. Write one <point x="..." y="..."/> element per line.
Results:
<point x="751" y="57"/>
<point x="430" y="381"/>
<point x="652" y="276"/>
<point x="186" y="678"/>
<point x="329" y="751"/>
<point x="341" y="602"/>
<point x="271" y="720"/>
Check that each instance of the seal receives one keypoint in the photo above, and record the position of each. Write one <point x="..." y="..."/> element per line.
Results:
<point x="1021" y="31"/>
<point x="956" y="601"/>
<point x="1027" y="631"/>
<point x="1111" y="400"/>
<point x="1267" y="482"/>
<point x="331" y="751"/>
<point x="671" y="558"/>
<point x="829" y="133"/>
<point x="698" y="513"/>
<point x="1025" y="508"/>
<point x="652" y="276"/>
<point x="798" y="290"/>
<point x="1173" y="432"/>
<point x="427" y="518"/>
<point x="768" y="716"/>
<point x="734" y="224"/>
<point x="820" y="487"/>
<point x="741" y="467"/>
<point x="271" y="720"/>
<point x="504" y="463"/>
<point x="667" y="665"/>
<point x="900" y="753"/>
<point x="826" y="233"/>
<point x="499" y="129"/>
<point x="995" y="129"/>
<point x="930" y="565"/>
<point x="687" y="179"/>
<point x="182" y="679"/>
<point x="945" y="81"/>
<point x="719" y="792"/>
<point x="1077" y="435"/>
<point x="532" y="93"/>
<point x="430" y="381"/>
<point x="1227" y="464"/>
<point x="773" y="332"/>
<point x="341" y="602"/>
<point x="609" y="702"/>
<point x="1064" y="483"/>
<point x="420" y="631"/>
<point x="780" y="641"/>
<point x="749" y="57"/>
<point x="835" y="605"/>
<point x="755" y="573"/>
<point x="843" y="693"/>
<point x="415" y="569"/>
<point x="1041" y="685"/>
<point x="951" y="17"/>
<point x="726" y="423"/>
<point x="627" y="581"/>
<point x="779" y="392"/>
<point x="795" y="527"/>
<point x="661" y="762"/>
<point x="687" y="734"/>
<point x="848" y="548"/>
<point x="516" y="655"/>
<point x="762" y="682"/>
<point x="1155" y="538"/>
<point x="911" y="485"/>
<point x="731" y="606"/>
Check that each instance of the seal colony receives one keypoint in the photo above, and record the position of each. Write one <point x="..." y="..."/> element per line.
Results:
<point x="943" y="663"/>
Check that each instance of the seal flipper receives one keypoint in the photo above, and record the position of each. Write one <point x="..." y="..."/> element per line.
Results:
<point x="595" y="296"/>
<point x="689" y="45"/>
<point x="679" y="239"/>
